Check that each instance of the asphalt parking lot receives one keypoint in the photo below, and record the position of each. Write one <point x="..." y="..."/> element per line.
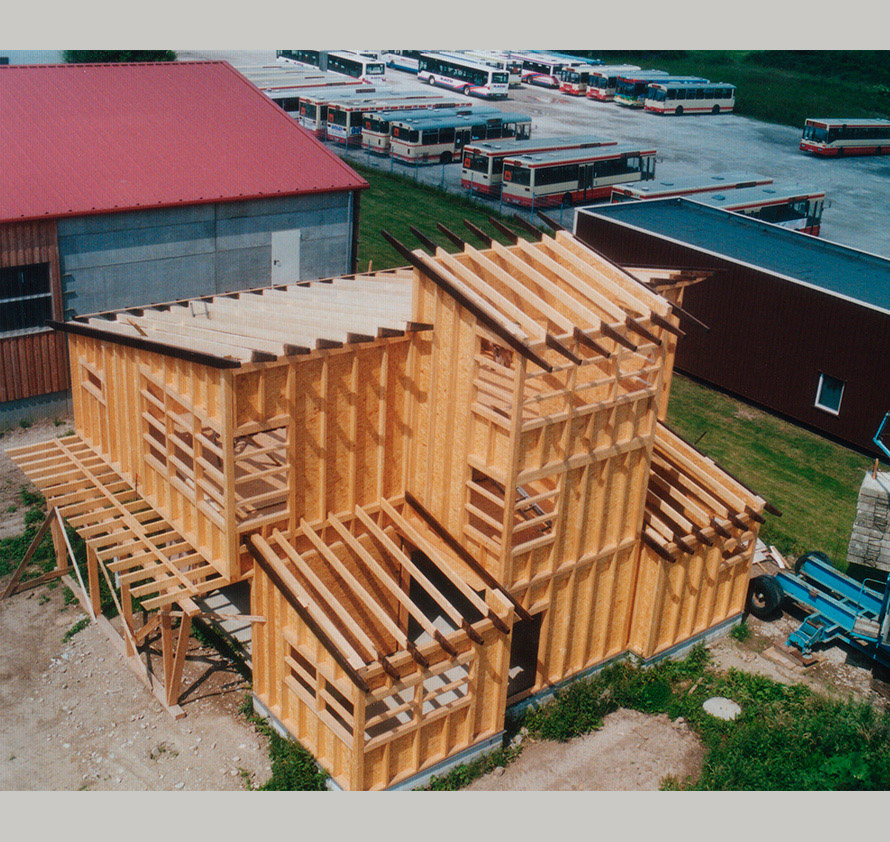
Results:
<point x="858" y="189"/>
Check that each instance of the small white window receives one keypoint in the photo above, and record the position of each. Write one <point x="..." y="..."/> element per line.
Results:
<point x="829" y="393"/>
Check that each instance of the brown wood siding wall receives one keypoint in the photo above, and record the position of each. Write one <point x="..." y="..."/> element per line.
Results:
<point x="770" y="338"/>
<point x="36" y="363"/>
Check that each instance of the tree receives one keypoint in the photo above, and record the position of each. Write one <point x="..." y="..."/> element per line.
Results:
<point x="105" y="56"/>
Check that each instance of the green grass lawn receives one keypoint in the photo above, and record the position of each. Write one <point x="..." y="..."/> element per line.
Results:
<point x="813" y="481"/>
<point x="395" y="201"/>
<point x="773" y="93"/>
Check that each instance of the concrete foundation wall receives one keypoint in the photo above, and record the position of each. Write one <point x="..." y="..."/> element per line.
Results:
<point x="110" y="261"/>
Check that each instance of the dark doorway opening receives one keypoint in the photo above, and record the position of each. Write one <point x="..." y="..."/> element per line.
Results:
<point x="524" y="655"/>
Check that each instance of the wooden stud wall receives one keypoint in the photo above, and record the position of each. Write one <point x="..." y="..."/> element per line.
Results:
<point x="33" y="363"/>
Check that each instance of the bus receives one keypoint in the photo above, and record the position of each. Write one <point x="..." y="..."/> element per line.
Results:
<point x="483" y="163"/>
<point x="377" y="125"/>
<point x="562" y="178"/>
<point x="672" y="97"/>
<point x="542" y="70"/>
<point x="630" y="91"/>
<point x="574" y="80"/>
<point x="346" y="118"/>
<point x="406" y="60"/>
<point x="314" y="106"/>
<point x="511" y="65"/>
<point x="464" y="75"/>
<point x="688" y="186"/>
<point x="837" y="138"/>
<point x="784" y="204"/>
<point x="602" y="81"/>
<point x="365" y="66"/>
<point x="440" y="138"/>
<point x="499" y="61"/>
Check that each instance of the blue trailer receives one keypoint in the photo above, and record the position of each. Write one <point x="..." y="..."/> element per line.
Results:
<point x="841" y="607"/>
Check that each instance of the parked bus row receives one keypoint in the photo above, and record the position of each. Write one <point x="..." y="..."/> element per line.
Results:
<point x="466" y="75"/>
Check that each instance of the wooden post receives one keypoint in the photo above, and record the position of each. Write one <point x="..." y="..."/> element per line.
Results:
<point x="173" y="679"/>
<point x="93" y="577"/>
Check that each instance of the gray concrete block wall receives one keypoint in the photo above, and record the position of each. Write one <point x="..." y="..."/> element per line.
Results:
<point x="110" y="261"/>
<point x="870" y="537"/>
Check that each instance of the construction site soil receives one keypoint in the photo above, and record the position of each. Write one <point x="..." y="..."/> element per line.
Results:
<point x="75" y="717"/>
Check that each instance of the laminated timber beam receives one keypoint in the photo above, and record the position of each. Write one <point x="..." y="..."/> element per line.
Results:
<point x="512" y="236"/>
<point x="527" y="226"/>
<point x="170" y="350"/>
<point x="286" y="583"/>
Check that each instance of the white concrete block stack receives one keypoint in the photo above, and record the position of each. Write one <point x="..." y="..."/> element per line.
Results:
<point x="870" y="539"/>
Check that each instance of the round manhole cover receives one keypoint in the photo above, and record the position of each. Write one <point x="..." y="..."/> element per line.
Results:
<point x="722" y="708"/>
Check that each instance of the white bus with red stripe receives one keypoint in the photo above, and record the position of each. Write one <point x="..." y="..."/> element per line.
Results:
<point x="464" y="75"/>
<point x="784" y="204"/>
<point x="483" y="163"/>
<point x="438" y="137"/>
<point x="681" y="97"/>
<point x="840" y="137"/>
<point x="540" y="69"/>
<point x="603" y="80"/>
<point x="569" y="176"/>
<point x="688" y="186"/>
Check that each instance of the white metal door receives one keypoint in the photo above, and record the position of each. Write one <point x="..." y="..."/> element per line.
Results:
<point x="285" y="256"/>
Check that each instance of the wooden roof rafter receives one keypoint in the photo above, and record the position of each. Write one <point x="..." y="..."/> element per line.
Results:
<point x="359" y="640"/>
<point x="691" y="501"/>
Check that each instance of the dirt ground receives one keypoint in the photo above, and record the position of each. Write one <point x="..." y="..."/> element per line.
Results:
<point x="632" y="751"/>
<point x="76" y="717"/>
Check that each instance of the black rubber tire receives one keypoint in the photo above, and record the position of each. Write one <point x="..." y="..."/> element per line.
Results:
<point x="679" y="110"/>
<point x="465" y="90"/>
<point x="445" y="158"/>
<point x="802" y="558"/>
<point x="715" y="109"/>
<point x="567" y="200"/>
<point x="765" y="597"/>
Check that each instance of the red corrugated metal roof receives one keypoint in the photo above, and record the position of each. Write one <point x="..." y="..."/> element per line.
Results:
<point x="79" y="139"/>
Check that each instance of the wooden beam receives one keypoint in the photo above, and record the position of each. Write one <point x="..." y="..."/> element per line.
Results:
<point x="524" y="223"/>
<point x="32" y="548"/>
<point x="479" y="232"/>
<point x="458" y="241"/>
<point x="551" y="222"/>
<point x="168" y="350"/>
<point x="512" y="236"/>
<point x="342" y="614"/>
<point x="552" y="342"/>
<point x="387" y="543"/>
<point x="584" y="339"/>
<point x="425" y="241"/>
<point x="379" y="611"/>
<point x="464" y="555"/>
<point x="302" y="611"/>
<point x="658" y="548"/>
<point x="637" y="327"/>
<point x="484" y="317"/>
<point x="607" y="330"/>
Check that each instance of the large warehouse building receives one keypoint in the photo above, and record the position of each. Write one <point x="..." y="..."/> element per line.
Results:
<point x="798" y="325"/>
<point x="128" y="184"/>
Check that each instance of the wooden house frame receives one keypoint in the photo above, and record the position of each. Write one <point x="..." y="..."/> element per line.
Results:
<point x="447" y="484"/>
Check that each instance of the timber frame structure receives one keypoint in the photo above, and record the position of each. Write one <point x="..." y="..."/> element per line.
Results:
<point x="450" y="486"/>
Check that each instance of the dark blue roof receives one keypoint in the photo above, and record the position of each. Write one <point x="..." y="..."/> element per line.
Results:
<point x="833" y="268"/>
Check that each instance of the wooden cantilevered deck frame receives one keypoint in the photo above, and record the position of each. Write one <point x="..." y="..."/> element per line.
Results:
<point x="406" y="465"/>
